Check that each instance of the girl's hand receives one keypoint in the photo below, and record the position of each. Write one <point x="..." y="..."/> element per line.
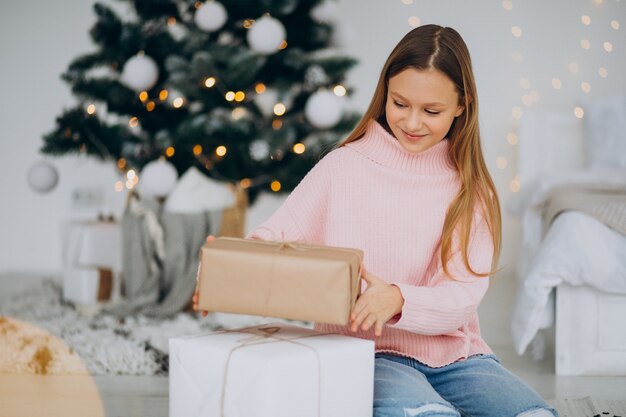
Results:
<point x="194" y="299"/>
<point x="376" y="305"/>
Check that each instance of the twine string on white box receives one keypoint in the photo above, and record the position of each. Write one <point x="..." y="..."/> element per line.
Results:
<point x="268" y="335"/>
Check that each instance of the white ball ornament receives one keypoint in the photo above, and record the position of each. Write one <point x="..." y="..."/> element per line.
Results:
<point x="140" y="73"/>
<point x="210" y="16"/>
<point x="323" y="109"/>
<point x="42" y="177"/>
<point x="266" y="101"/>
<point x="157" y="178"/>
<point x="324" y="12"/>
<point x="266" y="35"/>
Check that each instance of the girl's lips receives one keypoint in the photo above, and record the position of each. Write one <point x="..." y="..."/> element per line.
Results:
<point x="412" y="137"/>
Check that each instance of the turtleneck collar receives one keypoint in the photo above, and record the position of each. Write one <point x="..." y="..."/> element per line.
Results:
<point x="383" y="148"/>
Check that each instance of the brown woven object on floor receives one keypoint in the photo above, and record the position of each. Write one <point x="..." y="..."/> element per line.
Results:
<point x="234" y="218"/>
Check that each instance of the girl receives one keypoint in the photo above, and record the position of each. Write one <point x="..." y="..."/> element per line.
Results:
<point x="409" y="187"/>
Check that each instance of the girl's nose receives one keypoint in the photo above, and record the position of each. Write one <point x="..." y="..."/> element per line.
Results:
<point x="414" y="122"/>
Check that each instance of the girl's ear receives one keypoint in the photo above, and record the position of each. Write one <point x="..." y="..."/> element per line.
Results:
<point x="461" y="108"/>
<point x="459" y="111"/>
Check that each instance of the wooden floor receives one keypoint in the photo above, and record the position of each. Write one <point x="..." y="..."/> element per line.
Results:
<point x="126" y="396"/>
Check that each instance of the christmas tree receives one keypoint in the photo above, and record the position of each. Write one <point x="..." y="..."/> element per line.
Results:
<point x="248" y="91"/>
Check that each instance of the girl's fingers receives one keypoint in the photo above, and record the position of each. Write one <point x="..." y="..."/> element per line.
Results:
<point x="368" y="322"/>
<point x="379" y="328"/>
<point x="210" y="239"/>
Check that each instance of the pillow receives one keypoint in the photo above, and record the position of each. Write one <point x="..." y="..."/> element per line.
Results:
<point x="195" y="192"/>
<point x="605" y="131"/>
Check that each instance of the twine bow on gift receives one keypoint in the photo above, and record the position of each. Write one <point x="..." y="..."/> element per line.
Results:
<point x="268" y="335"/>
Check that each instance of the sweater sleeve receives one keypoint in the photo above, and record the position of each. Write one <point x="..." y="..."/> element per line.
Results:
<point x="302" y="216"/>
<point x="446" y="304"/>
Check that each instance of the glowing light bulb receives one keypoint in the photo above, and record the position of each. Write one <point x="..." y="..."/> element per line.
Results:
<point x="516" y="31"/>
<point x="209" y="82"/>
<point x="277" y="124"/>
<point x="133" y="122"/>
<point x="245" y="183"/>
<point x="299" y="148"/>
<point x="615" y="24"/>
<point x="556" y="83"/>
<point x="169" y="152"/>
<point x="119" y="186"/>
<point x="275" y="186"/>
<point x="279" y="109"/>
<point x="517" y="112"/>
<point x="515" y="185"/>
<point x="221" y="150"/>
<point x="608" y="46"/>
<point x="240" y="96"/>
<point x="603" y="72"/>
<point x="260" y="88"/>
<point x="585" y="86"/>
<point x="585" y="19"/>
<point x="501" y="162"/>
<point x="121" y="163"/>
<point x="283" y="44"/>
<point x="143" y="96"/>
<point x="579" y="112"/>
<point x="527" y="100"/>
<point x="512" y="138"/>
<point x="163" y="95"/>
<point x="131" y="174"/>
<point x="414" y="21"/>
<point x="230" y="96"/>
<point x="150" y="106"/>
<point x="178" y="102"/>
<point x="585" y="44"/>
<point x="91" y="109"/>
<point x="197" y="150"/>
<point x="507" y="5"/>
<point x="339" y="90"/>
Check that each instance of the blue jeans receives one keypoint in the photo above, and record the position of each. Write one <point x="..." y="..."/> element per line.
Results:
<point x="477" y="386"/>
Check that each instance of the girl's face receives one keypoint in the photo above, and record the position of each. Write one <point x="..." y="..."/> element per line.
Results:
<point x="421" y="106"/>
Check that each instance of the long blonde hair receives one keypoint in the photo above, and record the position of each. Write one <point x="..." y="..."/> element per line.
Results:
<point x="442" y="48"/>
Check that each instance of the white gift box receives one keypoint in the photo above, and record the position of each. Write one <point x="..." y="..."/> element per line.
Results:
<point x="272" y="370"/>
<point x="87" y="286"/>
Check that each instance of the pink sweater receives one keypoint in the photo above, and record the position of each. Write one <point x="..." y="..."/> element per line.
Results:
<point x="373" y="195"/>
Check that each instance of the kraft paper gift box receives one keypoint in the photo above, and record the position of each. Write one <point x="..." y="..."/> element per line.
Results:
<point x="273" y="370"/>
<point x="279" y="279"/>
<point x="87" y="286"/>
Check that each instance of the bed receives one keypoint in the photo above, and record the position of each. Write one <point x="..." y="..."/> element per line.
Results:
<point x="572" y="211"/>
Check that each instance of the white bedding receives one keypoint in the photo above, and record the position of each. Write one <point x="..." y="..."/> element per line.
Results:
<point x="577" y="249"/>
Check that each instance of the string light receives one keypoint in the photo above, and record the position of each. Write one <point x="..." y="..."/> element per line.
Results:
<point x="121" y="163"/>
<point x="414" y="21"/>
<point x="279" y="109"/>
<point x="615" y="24"/>
<point x="230" y="96"/>
<point x="585" y="86"/>
<point x="603" y="72"/>
<point x="516" y="31"/>
<point x="143" y="96"/>
<point x="527" y="100"/>
<point x="163" y="95"/>
<point x="209" y="82"/>
<point x="197" y="150"/>
<point x="133" y="122"/>
<point x="91" y="109"/>
<point x="131" y="174"/>
<point x="248" y="23"/>
<point x="556" y="83"/>
<point x="277" y="124"/>
<point x="283" y="44"/>
<point x="260" y="88"/>
<point x="238" y="113"/>
<point x="171" y="21"/>
<point x="275" y="186"/>
<point x="585" y="19"/>
<point x="221" y="150"/>
<point x="585" y="44"/>
<point x="608" y="46"/>
<point x="150" y="106"/>
<point x="516" y="184"/>
<point x="524" y="83"/>
<point x="240" y="96"/>
<point x="119" y="186"/>
<point x="169" y="152"/>
<point x="178" y="102"/>
<point x="512" y="138"/>
<point x="245" y="183"/>
<point x="517" y="112"/>
<point x="501" y="162"/>
<point x="507" y="5"/>
<point x="339" y="90"/>
<point x="299" y="148"/>
<point x="579" y="112"/>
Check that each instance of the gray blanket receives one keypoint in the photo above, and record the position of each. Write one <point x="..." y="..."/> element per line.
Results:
<point x="604" y="202"/>
<point x="160" y="258"/>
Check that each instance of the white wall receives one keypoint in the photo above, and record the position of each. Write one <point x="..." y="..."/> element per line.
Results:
<point x="39" y="38"/>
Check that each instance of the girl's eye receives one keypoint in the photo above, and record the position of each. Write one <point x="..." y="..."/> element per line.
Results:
<point x="398" y="105"/>
<point x="432" y="112"/>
